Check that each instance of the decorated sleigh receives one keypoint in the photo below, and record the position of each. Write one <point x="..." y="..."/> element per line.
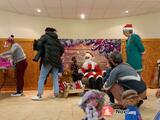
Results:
<point x="67" y="86"/>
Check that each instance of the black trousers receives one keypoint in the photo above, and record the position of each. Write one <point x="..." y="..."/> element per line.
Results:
<point x="96" y="83"/>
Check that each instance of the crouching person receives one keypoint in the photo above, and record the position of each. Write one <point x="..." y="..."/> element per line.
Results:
<point x="123" y="77"/>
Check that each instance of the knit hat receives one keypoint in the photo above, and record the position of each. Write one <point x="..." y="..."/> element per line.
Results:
<point x="127" y="27"/>
<point x="128" y="94"/>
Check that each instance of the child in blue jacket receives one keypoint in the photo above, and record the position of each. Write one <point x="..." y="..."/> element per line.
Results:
<point x="131" y="99"/>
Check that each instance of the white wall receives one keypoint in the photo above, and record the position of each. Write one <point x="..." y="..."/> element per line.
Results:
<point x="147" y="26"/>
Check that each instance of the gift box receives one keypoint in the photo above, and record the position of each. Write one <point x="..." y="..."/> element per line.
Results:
<point x="5" y="62"/>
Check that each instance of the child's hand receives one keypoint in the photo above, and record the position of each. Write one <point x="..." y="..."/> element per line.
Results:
<point x="158" y="93"/>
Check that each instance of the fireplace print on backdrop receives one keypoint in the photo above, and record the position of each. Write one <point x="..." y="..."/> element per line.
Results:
<point x="98" y="47"/>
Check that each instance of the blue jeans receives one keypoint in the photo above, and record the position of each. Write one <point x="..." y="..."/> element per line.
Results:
<point x="45" y="69"/>
<point x="157" y="117"/>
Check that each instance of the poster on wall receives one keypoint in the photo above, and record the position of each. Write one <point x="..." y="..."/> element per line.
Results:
<point x="98" y="47"/>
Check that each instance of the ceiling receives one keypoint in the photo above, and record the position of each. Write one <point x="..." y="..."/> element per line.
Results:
<point x="71" y="9"/>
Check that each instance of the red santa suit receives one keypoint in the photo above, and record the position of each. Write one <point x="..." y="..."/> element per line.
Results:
<point x="91" y="70"/>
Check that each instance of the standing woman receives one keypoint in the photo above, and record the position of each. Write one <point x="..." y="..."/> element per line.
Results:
<point x="19" y="59"/>
<point x="52" y="50"/>
<point x="134" y="48"/>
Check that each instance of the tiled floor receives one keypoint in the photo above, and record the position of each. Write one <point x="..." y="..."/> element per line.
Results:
<point x="23" y="108"/>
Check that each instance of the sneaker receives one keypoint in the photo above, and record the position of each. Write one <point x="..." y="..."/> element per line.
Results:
<point x="36" y="98"/>
<point x="56" y="95"/>
<point x="17" y="94"/>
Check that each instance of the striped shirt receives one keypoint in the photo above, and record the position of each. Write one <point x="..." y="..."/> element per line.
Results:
<point x="127" y="77"/>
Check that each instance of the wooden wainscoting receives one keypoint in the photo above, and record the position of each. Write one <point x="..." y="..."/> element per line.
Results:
<point x="32" y="73"/>
<point x="151" y="56"/>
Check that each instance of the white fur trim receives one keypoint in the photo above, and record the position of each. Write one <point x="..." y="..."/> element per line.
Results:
<point x="138" y="78"/>
<point x="85" y="73"/>
<point x="87" y="62"/>
<point x="99" y="76"/>
<point x="91" y="77"/>
<point x="127" y="28"/>
<point x="106" y="88"/>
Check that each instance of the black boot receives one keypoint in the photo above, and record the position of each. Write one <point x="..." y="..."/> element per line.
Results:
<point x="92" y="83"/>
<point x="99" y="83"/>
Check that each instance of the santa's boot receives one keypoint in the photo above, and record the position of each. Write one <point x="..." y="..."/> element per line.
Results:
<point x="99" y="83"/>
<point x="92" y="83"/>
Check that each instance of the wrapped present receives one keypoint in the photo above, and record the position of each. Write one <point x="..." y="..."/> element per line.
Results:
<point x="5" y="63"/>
<point x="78" y="84"/>
<point x="62" y="86"/>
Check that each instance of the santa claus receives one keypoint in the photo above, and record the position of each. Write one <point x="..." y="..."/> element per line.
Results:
<point x="92" y="72"/>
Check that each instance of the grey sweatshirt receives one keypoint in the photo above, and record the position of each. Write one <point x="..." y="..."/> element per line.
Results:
<point x="126" y="76"/>
<point x="17" y="53"/>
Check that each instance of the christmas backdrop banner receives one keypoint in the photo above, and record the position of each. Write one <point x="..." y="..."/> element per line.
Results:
<point x="98" y="47"/>
<point x="103" y="46"/>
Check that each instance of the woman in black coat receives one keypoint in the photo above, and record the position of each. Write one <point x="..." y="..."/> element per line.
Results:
<point x="51" y="50"/>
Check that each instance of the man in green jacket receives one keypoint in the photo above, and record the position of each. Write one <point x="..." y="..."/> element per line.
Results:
<point x="134" y="48"/>
<point x="51" y="60"/>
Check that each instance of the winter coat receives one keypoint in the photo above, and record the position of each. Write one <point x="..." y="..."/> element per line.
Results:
<point x="53" y="49"/>
<point x="134" y="51"/>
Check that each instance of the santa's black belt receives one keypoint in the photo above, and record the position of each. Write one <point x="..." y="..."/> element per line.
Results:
<point x="90" y="71"/>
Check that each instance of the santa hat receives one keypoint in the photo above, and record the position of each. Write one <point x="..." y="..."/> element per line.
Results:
<point x="128" y="27"/>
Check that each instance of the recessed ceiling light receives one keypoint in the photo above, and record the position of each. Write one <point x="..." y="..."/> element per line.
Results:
<point x="38" y="10"/>
<point x="82" y="16"/>
<point x="126" y="12"/>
